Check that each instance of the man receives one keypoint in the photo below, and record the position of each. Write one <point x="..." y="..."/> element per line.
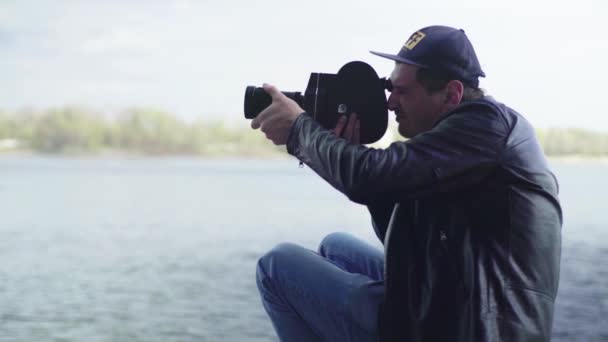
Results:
<point x="467" y="209"/>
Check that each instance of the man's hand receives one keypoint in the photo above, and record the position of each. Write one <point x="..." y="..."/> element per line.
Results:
<point x="349" y="130"/>
<point x="276" y="120"/>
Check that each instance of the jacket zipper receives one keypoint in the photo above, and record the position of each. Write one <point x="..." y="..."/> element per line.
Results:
<point x="443" y="238"/>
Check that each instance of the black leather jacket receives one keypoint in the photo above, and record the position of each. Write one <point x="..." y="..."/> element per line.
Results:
<point x="470" y="220"/>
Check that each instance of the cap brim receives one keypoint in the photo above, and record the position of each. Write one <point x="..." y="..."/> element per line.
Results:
<point x="398" y="59"/>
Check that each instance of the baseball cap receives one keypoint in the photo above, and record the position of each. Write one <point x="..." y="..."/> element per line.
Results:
<point x="442" y="49"/>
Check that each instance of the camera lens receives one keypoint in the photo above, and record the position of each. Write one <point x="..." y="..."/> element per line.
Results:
<point x="256" y="99"/>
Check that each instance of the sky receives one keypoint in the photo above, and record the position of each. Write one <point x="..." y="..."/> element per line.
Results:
<point x="545" y="59"/>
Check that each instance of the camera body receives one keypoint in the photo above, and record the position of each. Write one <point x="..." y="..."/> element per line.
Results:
<point x="355" y="88"/>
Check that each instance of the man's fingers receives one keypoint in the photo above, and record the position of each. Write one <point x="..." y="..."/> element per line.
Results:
<point x="276" y="95"/>
<point x="340" y="125"/>
<point x="273" y="91"/>
<point x="349" y="132"/>
<point x="267" y="112"/>
<point x="255" y="124"/>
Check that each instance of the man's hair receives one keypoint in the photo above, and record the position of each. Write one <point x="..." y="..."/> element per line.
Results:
<point x="434" y="82"/>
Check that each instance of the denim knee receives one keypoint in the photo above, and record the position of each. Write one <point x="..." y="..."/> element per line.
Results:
<point x="331" y="240"/>
<point x="273" y="261"/>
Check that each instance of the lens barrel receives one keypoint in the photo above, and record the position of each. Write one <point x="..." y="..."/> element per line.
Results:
<point x="256" y="100"/>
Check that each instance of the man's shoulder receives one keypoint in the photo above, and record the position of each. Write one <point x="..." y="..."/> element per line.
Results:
<point x="489" y="110"/>
<point x="481" y="114"/>
<point x="486" y="104"/>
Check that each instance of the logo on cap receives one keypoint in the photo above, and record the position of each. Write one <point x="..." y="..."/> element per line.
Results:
<point x="414" y="40"/>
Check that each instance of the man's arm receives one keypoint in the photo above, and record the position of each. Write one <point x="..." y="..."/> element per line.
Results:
<point x="462" y="149"/>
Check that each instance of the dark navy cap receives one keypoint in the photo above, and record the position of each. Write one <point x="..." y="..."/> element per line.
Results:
<point x="441" y="49"/>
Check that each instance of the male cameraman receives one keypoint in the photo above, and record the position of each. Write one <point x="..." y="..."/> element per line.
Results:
<point x="467" y="209"/>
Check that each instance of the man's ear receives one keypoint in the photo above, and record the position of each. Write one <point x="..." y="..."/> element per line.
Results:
<point x="454" y="93"/>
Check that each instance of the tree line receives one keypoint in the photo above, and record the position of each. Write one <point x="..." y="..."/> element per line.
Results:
<point x="73" y="130"/>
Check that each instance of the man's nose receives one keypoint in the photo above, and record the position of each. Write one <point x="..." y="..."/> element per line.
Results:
<point x="391" y="102"/>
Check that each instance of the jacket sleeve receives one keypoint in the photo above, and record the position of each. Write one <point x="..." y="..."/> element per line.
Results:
<point x="460" y="150"/>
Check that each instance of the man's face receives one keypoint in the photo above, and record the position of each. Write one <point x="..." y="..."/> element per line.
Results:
<point x="415" y="109"/>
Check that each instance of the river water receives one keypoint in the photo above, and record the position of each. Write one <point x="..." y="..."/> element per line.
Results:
<point x="165" y="249"/>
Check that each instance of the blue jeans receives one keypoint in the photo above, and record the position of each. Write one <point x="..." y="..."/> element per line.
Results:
<point x="332" y="295"/>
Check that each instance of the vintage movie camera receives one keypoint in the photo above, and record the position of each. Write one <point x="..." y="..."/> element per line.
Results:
<point x="355" y="88"/>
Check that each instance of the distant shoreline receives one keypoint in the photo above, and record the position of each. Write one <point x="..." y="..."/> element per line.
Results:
<point x="126" y="155"/>
<point x="119" y="154"/>
<point x="579" y="159"/>
<point x="141" y="133"/>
